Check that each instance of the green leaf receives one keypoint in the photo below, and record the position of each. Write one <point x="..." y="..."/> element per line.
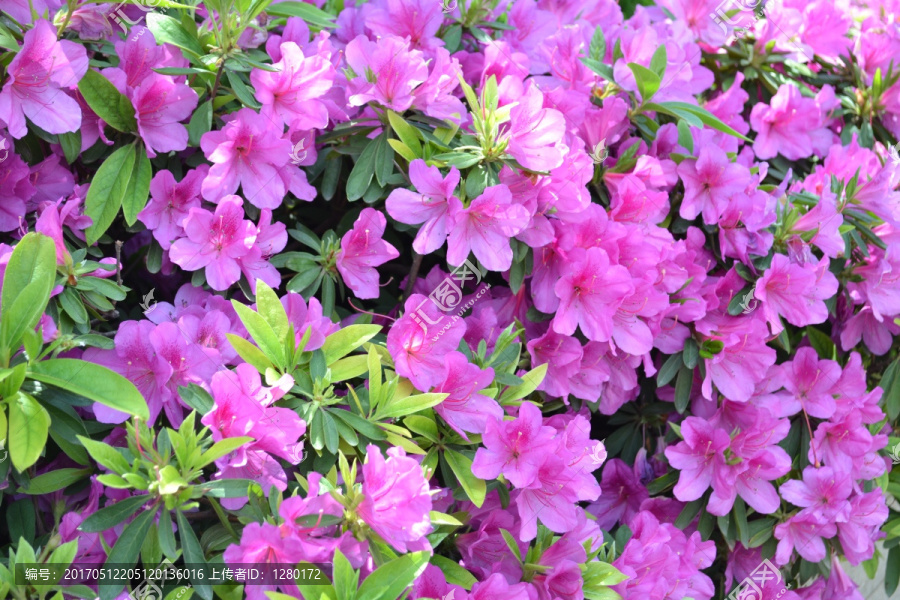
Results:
<point x="271" y="309"/>
<point x="242" y="90"/>
<point x="200" y="123"/>
<point x="658" y="62"/>
<point x="681" y="109"/>
<point x="389" y="581"/>
<point x="361" y="175"/>
<point x="196" y="397"/>
<point x="892" y="570"/>
<point x="669" y="369"/>
<point x="453" y="572"/>
<point x="193" y="553"/>
<point x="249" y="353"/>
<point x="220" y="449"/>
<point x="126" y="550"/>
<point x="890" y="383"/>
<point x="346" y="340"/>
<point x="262" y="333"/>
<point x="309" y="13"/>
<point x="108" y="189"/>
<point x="597" y="49"/>
<point x="71" y="145"/>
<point x="27" y="283"/>
<point x="603" y="70"/>
<point x="29" y="425"/>
<point x="408" y="405"/>
<point x="384" y="159"/>
<point x="225" y="488"/>
<point x="532" y="378"/>
<point x="407" y="134"/>
<point x="648" y="82"/>
<point x="822" y="344"/>
<point x="94" y="382"/>
<point x="346" y="580"/>
<point x="53" y="481"/>
<point x="105" y="455"/>
<point x="461" y="466"/>
<point x="167" y="30"/>
<point x="138" y="190"/>
<point x="683" y="386"/>
<point x="112" y="515"/>
<point x="109" y="103"/>
<point x="685" y="139"/>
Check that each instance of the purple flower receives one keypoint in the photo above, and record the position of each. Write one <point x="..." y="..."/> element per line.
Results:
<point x="250" y="153"/>
<point x="485" y="228"/>
<point x="396" y="499"/>
<point x="362" y="250"/>
<point x="38" y="77"/>
<point x="216" y="242"/>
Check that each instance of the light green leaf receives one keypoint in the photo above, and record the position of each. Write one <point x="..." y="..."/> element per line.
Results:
<point x="29" y="425"/>
<point x="170" y="31"/>
<point x="408" y="405"/>
<point x="262" y="333"/>
<point x="648" y="82"/>
<point x="27" y="283"/>
<point x="94" y="382"/>
<point x="108" y="189"/>
<point x="113" y="514"/>
<point x="53" y="481"/>
<point x="532" y="380"/>
<point x="461" y="466"/>
<point x="105" y="455"/>
<point x="308" y="12"/>
<point x="346" y="340"/>
<point x="390" y="580"/>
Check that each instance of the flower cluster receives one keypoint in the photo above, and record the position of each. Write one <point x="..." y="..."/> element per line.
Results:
<point x="533" y="299"/>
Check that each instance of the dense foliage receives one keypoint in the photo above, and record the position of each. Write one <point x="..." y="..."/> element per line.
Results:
<point x="496" y="299"/>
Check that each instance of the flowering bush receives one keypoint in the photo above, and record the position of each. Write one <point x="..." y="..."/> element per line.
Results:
<point x="524" y="300"/>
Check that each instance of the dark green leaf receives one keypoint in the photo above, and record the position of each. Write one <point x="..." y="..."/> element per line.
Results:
<point x="109" y="103"/>
<point x="683" y="386"/>
<point x="112" y="515"/>
<point x="169" y="31"/>
<point x="108" y="189"/>
<point x="126" y="550"/>
<point x="193" y="553"/>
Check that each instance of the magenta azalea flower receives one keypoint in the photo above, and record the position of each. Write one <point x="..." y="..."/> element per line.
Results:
<point x="386" y="72"/>
<point x="428" y="205"/>
<point x="485" y="227"/>
<point x="396" y="499"/>
<point x="38" y="79"/>
<point x="362" y="249"/>
<point x="291" y="94"/>
<point x="465" y="409"/>
<point x="170" y="203"/>
<point x="247" y="152"/>
<point x="216" y="242"/>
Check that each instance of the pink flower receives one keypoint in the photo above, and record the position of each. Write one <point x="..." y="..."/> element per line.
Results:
<point x="811" y="383"/>
<point x="791" y="126"/>
<point x="822" y="493"/>
<point x="291" y="94"/>
<point x="465" y="409"/>
<point x="590" y="294"/>
<point x="419" y="351"/>
<point x="709" y="183"/>
<point x="270" y="240"/>
<point x="385" y="72"/>
<point x="534" y="132"/>
<point x="514" y="448"/>
<point x="699" y="457"/>
<point x="485" y="228"/>
<point x="160" y="105"/>
<point x="362" y="250"/>
<point x="396" y="499"/>
<point x="170" y="203"/>
<point x="796" y="291"/>
<point x="805" y="533"/>
<point x="428" y="205"/>
<point x="38" y="77"/>
<point x="215" y="242"/>
<point x="250" y="153"/>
